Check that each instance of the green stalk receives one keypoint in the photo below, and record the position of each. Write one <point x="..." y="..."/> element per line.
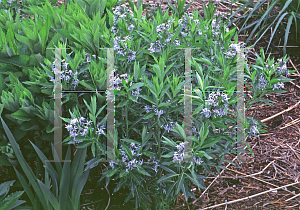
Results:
<point x="39" y="162"/>
<point x="157" y="131"/>
<point x="126" y="117"/>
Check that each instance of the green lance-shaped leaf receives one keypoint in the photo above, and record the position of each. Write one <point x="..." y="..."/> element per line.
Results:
<point x="27" y="170"/>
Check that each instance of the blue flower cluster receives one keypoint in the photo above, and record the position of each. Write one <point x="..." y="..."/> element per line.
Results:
<point x="197" y="160"/>
<point x="162" y="187"/>
<point x="130" y="164"/>
<point x="168" y="126"/>
<point x="263" y="82"/>
<point x="232" y="52"/>
<point x="184" y="23"/>
<point x="121" y="12"/>
<point x="152" y="160"/>
<point x="214" y="101"/>
<point x="123" y="51"/>
<point x="115" y="81"/>
<point x="253" y="129"/>
<point x="65" y="74"/>
<point x="282" y="67"/>
<point x="179" y="156"/>
<point x="162" y="30"/>
<point x="76" y="129"/>
<point x="157" y="112"/>
<point x="68" y="74"/>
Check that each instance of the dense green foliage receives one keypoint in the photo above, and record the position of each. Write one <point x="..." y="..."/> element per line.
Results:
<point x="148" y="77"/>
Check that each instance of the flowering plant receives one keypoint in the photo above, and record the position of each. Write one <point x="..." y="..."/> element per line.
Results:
<point x="152" y="157"/>
<point x="148" y="80"/>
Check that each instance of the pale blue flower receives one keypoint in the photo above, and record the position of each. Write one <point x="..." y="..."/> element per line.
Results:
<point x="155" y="47"/>
<point x="52" y="79"/>
<point x="112" y="164"/>
<point x="194" y="129"/>
<point x="89" y="123"/>
<point x="220" y="112"/>
<point x="65" y="64"/>
<point x="262" y="82"/>
<point x="141" y="162"/>
<point x="155" y="166"/>
<point x="67" y="78"/>
<point x="131" y="27"/>
<point x="282" y="67"/>
<point x="180" y="147"/>
<point x="178" y="157"/>
<point x="183" y="34"/>
<point x="206" y="112"/>
<point x="114" y="30"/>
<point x="216" y="34"/>
<point x="123" y="16"/>
<point x="169" y="126"/>
<point x="70" y="72"/>
<point x="231" y="53"/>
<point x="131" y="164"/>
<point x="100" y="131"/>
<point x="75" y="83"/>
<point x="254" y="130"/>
<point x="124" y="158"/>
<point x="121" y="52"/>
<point x="158" y="112"/>
<point x="147" y="108"/>
<point x="116" y="44"/>
<point x="130" y="55"/>
<point x="278" y="85"/>
<point x="81" y="120"/>
<point x="69" y="127"/>
<point x="176" y="42"/>
<point x="215" y="25"/>
<point x="197" y="160"/>
<point x="74" y="121"/>
<point x="84" y="132"/>
<point x="224" y="98"/>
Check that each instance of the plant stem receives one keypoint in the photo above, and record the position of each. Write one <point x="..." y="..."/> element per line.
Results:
<point x="157" y="131"/>
<point x="126" y="110"/>
<point x="158" y="139"/>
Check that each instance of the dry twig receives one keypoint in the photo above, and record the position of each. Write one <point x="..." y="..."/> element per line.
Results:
<point x="251" y="196"/>
<point x="290" y="108"/>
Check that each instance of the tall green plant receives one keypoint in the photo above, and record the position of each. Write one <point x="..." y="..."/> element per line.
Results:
<point x="92" y="7"/>
<point x="11" y="201"/>
<point x="209" y="11"/>
<point x="67" y="181"/>
<point x="179" y="10"/>
<point x="264" y="20"/>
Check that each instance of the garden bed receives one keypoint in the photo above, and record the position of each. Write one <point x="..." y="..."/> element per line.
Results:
<point x="276" y="162"/>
